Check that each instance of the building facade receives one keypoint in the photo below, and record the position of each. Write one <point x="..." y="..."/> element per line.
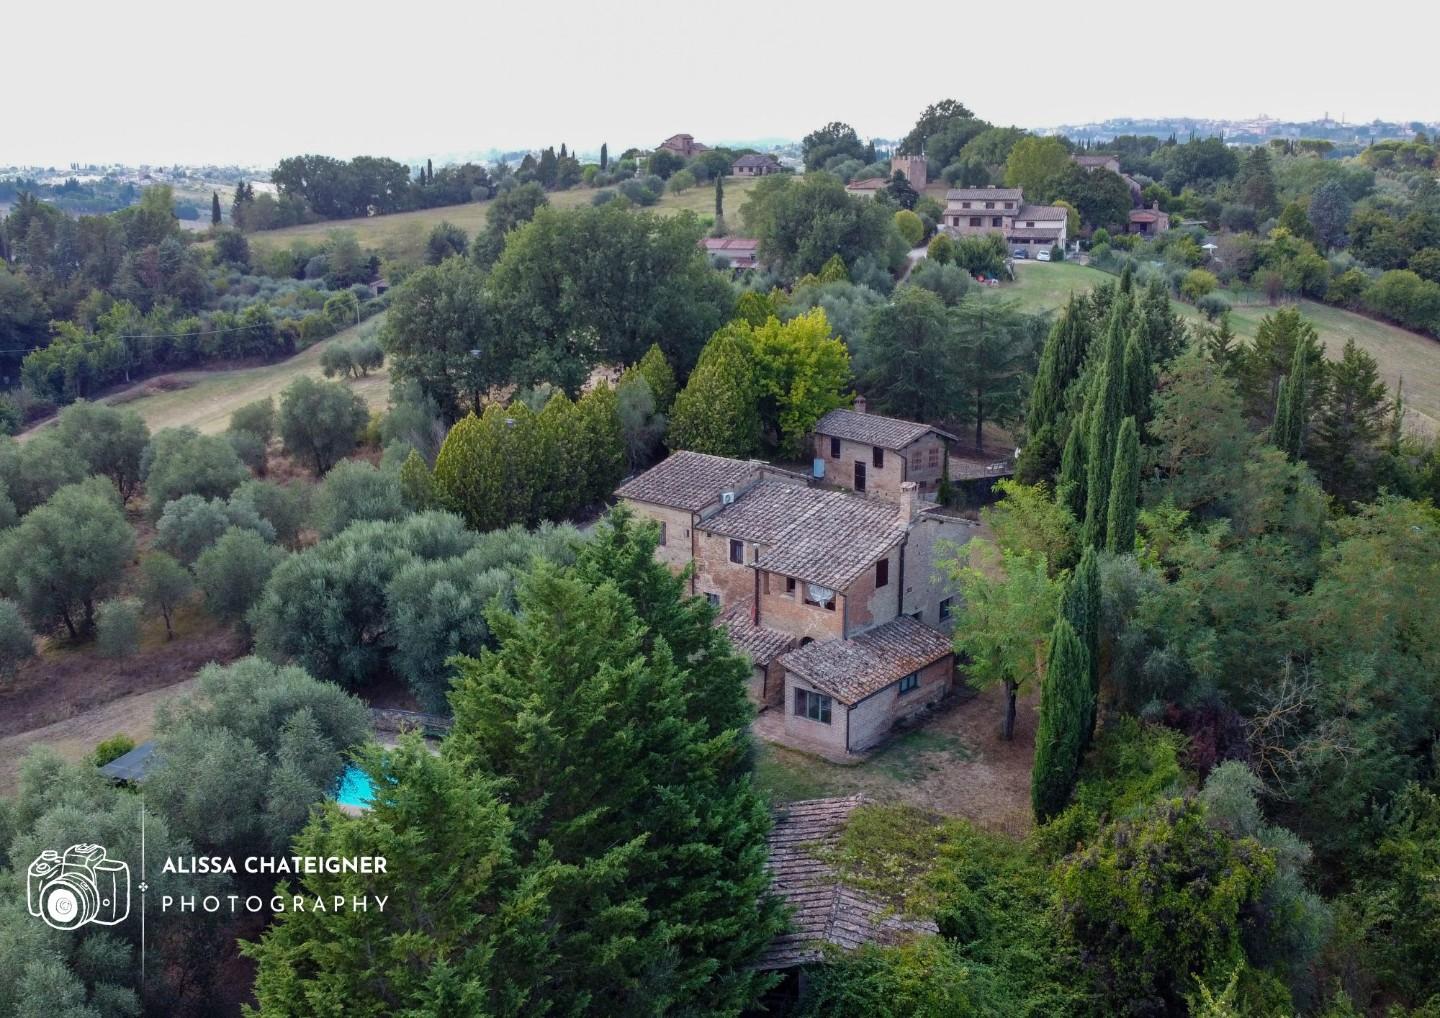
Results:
<point x="974" y="211"/>
<point x="915" y="169"/>
<point x="755" y="166"/>
<point x="875" y="454"/>
<point x="683" y="145"/>
<point x="791" y="566"/>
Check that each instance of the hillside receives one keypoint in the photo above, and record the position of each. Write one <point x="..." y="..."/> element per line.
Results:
<point x="1401" y="354"/>
<point x="204" y="400"/>
<point x="404" y="233"/>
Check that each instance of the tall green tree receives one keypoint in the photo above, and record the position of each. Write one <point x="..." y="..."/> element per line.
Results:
<point x="1287" y="433"/>
<point x="1061" y="359"/>
<point x="718" y="410"/>
<point x="1081" y="608"/>
<point x="1034" y="162"/>
<point x="1256" y="182"/>
<point x="997" y="346"/>
<point x="1350" y="428"/>
<point x="907" y="357"/>
<point x="215" y="208"/>
<point x="604" y="155"/>
<point x="1104" y="407"/>
<point x="1124" y="491"/>
<point x="320" y="422"/>
<point x="1060" y="733"/>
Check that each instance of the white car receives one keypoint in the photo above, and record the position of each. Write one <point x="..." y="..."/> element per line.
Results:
<point x="1042" y="256"/>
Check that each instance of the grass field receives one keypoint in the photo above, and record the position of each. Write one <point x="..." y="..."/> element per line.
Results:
<point x="1401" y="354"/>
<point x="403" y="234"/>
<point x="204" y="400"/>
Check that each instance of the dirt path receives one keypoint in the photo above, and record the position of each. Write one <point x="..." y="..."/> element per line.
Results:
<point x="76" y="737"/>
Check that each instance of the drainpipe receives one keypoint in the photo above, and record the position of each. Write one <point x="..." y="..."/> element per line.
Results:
<point x="693" y="566"/>
<point x="900" y="602"/>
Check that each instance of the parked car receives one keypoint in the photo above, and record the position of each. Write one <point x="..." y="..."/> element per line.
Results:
<point x="1042" y="256"/>
<point x="1019" y="252"/>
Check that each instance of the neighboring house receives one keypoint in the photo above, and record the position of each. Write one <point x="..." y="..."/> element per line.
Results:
<point x="740" y="252"/>
<point x="825" y="913"/>
<point x="683" y="145"/>
<point x="133" y="767"/>
<point x="1149" y="221"/>
<point x="971" y="211"/>
<point x="914" y="168"/>
<point x="871" y="453"/>
<point x="1112" y="164"/>
<point x="755" y="166"/>
<point x="866" y="188"/>
<point x="794" y="567"/>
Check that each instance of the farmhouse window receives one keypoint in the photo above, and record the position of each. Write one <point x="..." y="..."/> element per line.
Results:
<point x="662" y="535"/>
<point x="909" y="682"/>
<point x="877" y="457"/>
<point x="882" y="573"/>
<point x="946" y="608"/>
<point x="934" y="457"/>
<point x="820" y="597"/>
<point x="815" y="706"/>
<point x="737" y="552"/>
<point x="789" y="584"/>
<point x="834" y="448"/>
<point x="974" y="220"/>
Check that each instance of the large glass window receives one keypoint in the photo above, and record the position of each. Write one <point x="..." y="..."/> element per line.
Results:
<point x="812" y="705"/>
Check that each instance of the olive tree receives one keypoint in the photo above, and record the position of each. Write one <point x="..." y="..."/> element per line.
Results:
<point x="320" y="422"/>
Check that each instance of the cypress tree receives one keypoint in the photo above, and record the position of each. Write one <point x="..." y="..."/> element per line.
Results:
<point x="1127" y="278"/>
<point x="660" y="376"/>
<point x="1081" y="608"/>
<point x="1124" y="490"/>
<point x="1288" y="431"/>
<point x="563" y="152"/>
<point x="604" y="155"/>
<point x="719" y="197"/>
<point x="468" y="473"/>
<point x="1103" y="413"/>
<point x="1071" y="485"/>
<point x="429" y="172"/>
<point x="1059" y="740"/>
<point x="1138" y="377"/>
<point x="602" y="442"/>
<point x="564" y="457"/>
<point x="718" y="411"/>
<point x="1060" y="363"/>
<point x="215" y="208"/>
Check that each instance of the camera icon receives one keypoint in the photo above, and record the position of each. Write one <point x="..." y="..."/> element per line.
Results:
<point x="82" y="886"/>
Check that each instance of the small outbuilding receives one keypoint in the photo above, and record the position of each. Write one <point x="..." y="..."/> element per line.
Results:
<point x="134" y="766"/>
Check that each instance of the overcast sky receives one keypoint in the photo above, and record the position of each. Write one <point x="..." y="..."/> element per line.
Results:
<point x="161" y="81"/>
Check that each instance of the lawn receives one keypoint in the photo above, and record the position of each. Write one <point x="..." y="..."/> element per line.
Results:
<point x="205" y="399"/>
<point x="403" y="234"/>
<point x="1400" y="353"/>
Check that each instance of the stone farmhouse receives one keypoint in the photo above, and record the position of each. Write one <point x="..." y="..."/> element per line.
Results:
<point x="1149" y="222"/>
<point x="868" y="452"/>
<point x="971" y="211"/>
<point x="755" y="166"/>
<point x="834" y="595"/>
<point x="737" y="252"/>
<point x="683" y="145"/>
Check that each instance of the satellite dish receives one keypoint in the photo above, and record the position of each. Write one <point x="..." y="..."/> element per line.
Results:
<point x="821" y="595"/>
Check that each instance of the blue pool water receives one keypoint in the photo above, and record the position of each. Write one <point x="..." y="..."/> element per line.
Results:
<point x="355" y="788"/>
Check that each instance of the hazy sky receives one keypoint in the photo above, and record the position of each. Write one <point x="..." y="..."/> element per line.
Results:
<point x="161" y="81"/>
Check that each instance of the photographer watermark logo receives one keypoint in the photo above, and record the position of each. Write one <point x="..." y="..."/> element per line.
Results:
<point x="82" y="886"/>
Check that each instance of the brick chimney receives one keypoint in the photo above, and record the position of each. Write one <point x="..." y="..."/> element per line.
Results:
<point x="909" y="503"/>
<point x="859" y="403"/>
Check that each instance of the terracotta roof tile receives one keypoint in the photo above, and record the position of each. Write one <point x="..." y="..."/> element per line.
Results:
<point x="984" y="194"/>
<point x="759" y="644"/>
<point x="689" y="480"/>
<point x="868" y="184"/>
<point x="756" y="160"/>
<point x="1046" y="212"/>
<point x="874" y="429"/>
<point x="850" y="670"/>
<point x="823" y="910"/>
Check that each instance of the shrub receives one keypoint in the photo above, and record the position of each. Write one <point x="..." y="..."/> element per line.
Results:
<point x="234" y="571"/>
<point x="1212" y="306"/>
<point x="353" y="491"/>
<point x="117" y="626"/>
<point x="111" y="749"/>
<point x="283" y="507"/>
<point x="191" y="524"/>
<point x="683" y="180"/>
<point x="911" y="227"/>
<point x="251" y="450"/>
<point x="941" y="249"/>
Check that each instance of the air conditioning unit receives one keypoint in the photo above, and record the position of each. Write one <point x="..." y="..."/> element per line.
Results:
<point x="727" y="498"/>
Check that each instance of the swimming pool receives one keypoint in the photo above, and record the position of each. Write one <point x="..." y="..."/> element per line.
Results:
<point x="355" y="788"/>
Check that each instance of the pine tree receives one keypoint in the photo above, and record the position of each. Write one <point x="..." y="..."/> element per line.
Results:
<point x="1059" y="736"/>
<point x="215" y="217"/>
<point x="604" y="156"/>
<point x="718" y="411"/>
<point x="1353" y="426"/>
<point x="1124" y="491"/>
<point x="1081" y="608"/>
<point x="620" y="767"/>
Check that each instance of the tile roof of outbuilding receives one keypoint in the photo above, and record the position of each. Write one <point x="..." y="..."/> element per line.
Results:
<point x="824" y="911"/>
<point x="874" y="429"/>
<point x="688" y="480"/>
<point x="756" y="160"/>
<point x="850" y="670"/>
<point x="759" y="643"/>
<point x="1048" y="212"/>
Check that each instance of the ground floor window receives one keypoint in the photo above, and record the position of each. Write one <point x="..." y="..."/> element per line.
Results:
<point x="814" y="706"/>
<point x="713" y="598"/>
<point x="946" y="608"/>
<point x="909" y="682"/>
